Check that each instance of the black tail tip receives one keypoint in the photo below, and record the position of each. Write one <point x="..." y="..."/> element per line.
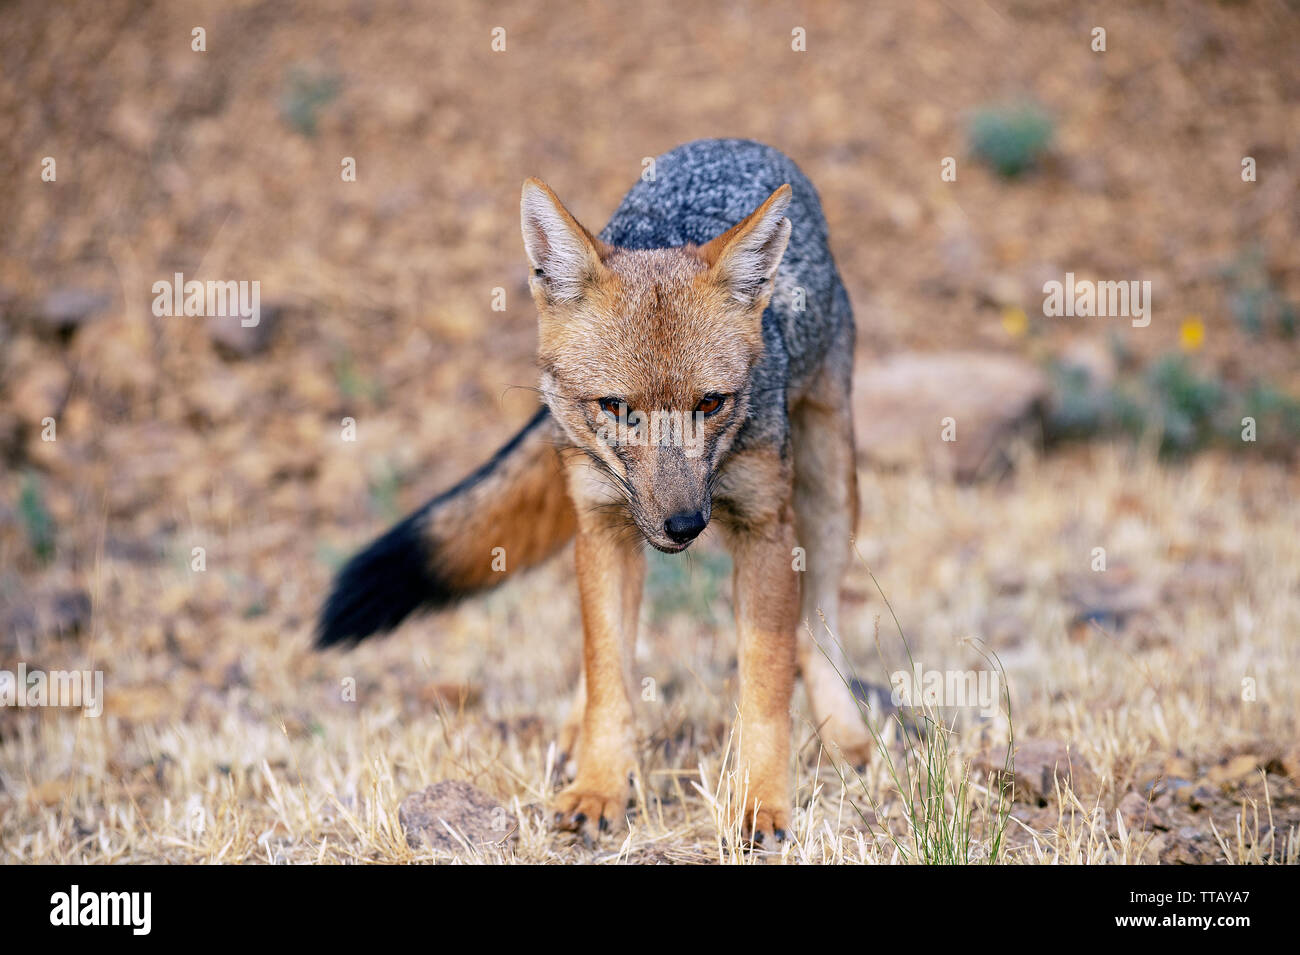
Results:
<point x="380" y="587"/>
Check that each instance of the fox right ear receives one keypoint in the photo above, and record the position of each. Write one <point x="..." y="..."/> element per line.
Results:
<point x="745" y="257"/>
<point x="565" y="257"/>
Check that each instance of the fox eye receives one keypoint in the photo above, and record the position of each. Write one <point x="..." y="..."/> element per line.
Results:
<point x="611" y="406"/>
<point x="710" y="405"/>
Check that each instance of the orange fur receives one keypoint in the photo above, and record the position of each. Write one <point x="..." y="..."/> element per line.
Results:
<point x="520" y="507"/>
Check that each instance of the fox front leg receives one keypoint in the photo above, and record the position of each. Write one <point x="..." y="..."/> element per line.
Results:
<point x="609" y="572"/>
<point x="767" y="606"/>
<point x="571" y="729"/>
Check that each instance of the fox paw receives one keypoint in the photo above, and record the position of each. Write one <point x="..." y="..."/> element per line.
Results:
<point x="565" y="769"/>
<point x="855" y="747"/>
<point x="766" y="828"/>
<point x="851" y="740"/>
<point x="589" y="813"/>
<point x="565" y="747"/>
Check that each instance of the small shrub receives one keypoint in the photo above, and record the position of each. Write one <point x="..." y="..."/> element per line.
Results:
<point x="1011" y="139"/>
<point x="1184" y="405"/>
<point x="1277" y="419"/>
<point x="36" y="519"/>
<point x="306" y="92"/>
<point x="1181" y="409"/>
<point x="1257" y="305"/>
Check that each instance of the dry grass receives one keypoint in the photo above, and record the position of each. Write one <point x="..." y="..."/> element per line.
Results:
<point x="238" y="747"/>
<point x="227" y="739"/>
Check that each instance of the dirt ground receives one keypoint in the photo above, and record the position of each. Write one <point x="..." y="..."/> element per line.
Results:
<point x="1169" y="682"/>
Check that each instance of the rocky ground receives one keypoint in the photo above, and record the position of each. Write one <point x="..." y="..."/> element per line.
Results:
<point x="1164" y="684"/>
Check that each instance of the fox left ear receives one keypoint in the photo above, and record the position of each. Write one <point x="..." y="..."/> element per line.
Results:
<point x="565" y="257"/>
<point x="745" y="257"/>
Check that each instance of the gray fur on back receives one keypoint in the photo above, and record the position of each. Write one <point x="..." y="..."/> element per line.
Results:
<point x="702" y="189"/>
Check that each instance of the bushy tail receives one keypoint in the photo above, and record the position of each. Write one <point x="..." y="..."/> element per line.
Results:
<point x="446" y="549"/>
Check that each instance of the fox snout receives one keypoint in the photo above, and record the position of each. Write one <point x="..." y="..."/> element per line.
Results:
<point x="685" y="527"/>
<point x="672" y="530"/>
<point x="671" y="498"/>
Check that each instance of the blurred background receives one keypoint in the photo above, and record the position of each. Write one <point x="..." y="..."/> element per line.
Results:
<point x="176" y="433"/>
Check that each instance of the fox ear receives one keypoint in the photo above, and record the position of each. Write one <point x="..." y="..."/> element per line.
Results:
<point x="565" y="257"/>
<point x="746" y="256"/>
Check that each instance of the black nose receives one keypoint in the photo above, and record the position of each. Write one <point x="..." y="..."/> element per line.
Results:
<point x="683" y="528"/>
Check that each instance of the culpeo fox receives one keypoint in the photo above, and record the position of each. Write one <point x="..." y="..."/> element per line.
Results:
<point x="696" y="357"/>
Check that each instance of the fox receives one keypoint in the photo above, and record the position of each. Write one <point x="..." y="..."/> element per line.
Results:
<point x="711" y="304"/>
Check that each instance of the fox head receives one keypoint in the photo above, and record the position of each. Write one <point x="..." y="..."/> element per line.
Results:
<point x="646" y="355"/>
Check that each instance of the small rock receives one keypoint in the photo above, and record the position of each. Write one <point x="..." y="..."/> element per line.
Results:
<point x="1110" y="599"/>
<point x="203" y="94"/>
<point x="234" y="339"/>
<point x="69" y="612"/>
<point x="1290" y="764"/>
<point x="133" y="550"/>
<point x="1040" y="819"/>
<point x="901" y="403"/>
<point x="1187" y="847"/>
<point x="59" y="613"/>
<point x="1157" y="844"/>
<point x="1008" y="581"/>
<point x="1137" y="813"/>
<point x="66" y="309"/>
<point x="1235" y="770"/>
<point x="472" y="814"/>
<point x="1165" y="787"/>
<point x="1038" y="767"/>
